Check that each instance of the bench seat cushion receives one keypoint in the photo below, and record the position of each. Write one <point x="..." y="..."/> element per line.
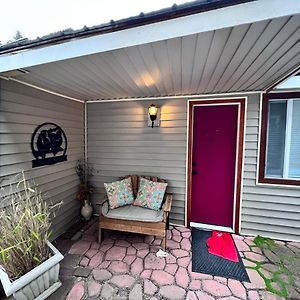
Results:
<point x="132" y="213"/>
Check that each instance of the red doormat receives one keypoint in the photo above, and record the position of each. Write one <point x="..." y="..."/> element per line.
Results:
<point x="221" y="244"/>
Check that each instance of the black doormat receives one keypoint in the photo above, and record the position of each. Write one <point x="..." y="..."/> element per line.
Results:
<point x="204" y="262"/>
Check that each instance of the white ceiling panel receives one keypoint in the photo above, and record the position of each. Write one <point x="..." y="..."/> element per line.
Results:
<point x="247" y="57"/>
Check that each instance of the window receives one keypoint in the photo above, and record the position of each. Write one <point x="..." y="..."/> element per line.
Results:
<point x="280" y="139"/>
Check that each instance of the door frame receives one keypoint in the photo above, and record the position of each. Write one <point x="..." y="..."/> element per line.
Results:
<point x="241" y="102"/>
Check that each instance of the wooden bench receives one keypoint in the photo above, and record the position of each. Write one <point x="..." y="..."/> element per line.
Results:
<point x="157" y="226"/>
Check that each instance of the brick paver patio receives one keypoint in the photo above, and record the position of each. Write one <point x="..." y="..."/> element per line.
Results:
<point x="125" y="266"/>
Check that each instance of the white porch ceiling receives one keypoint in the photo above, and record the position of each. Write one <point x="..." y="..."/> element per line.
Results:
<point x="247" y="57"/>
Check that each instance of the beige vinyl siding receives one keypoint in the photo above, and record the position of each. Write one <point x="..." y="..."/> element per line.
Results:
<point x="267" y="210"/>
<point x="22" y="109"/>
<point x="121" y="143"/>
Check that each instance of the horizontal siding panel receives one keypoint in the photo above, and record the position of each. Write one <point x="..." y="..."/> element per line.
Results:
<point x="22" y="110"/>
<point x="121" y="143"/>
<point x="266" y="210"/>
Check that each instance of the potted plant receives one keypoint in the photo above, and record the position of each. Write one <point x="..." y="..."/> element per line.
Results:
<point x="84" y="171"/>
<point x="29" y="263"/>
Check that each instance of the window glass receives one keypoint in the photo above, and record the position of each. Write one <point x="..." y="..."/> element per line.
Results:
<point x="294" y="159"/>
<point x="276" y="139"/>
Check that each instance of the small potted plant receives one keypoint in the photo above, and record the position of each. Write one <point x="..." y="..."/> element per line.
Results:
<point x="84" y="171"/>
<point x="29" y="263"/>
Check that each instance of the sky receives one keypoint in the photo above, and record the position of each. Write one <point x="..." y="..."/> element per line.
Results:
<point x="35" y="18"/>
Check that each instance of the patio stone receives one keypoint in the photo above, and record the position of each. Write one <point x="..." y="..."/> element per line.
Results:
<point x="82" y="272"/>
<point x="126" y="267"/>
<point x="118" y="267"/>
<point x="140" y="246"/>
<point x="177" y="238"/>
<point x="195" y="275"/>
<point x="237" y="289"/>
<point x="96" y="260"/>
<point x="162" y="277"/>
<point x="248" y="263"/>
<point x="241" y="245"/>
<point x="256" y="279"/>
<point x="182" y="229"/>
<point x="237" y="237"/>
<point x="84" y="262"/>
<point x="191" y="296"/>
<point x="255" y="256"/>
<point x="180" y="253"/>
<point x="171" y="268"/>
<point x="270" y="267"/>
<point x="123" y="281"/>
<point x="172" y="245"/>
<point x="90" y="253"/>
<point x="170" y="259"/>
<point x="137" y="266"/>
<point x="269" y="296"/>
<point x="146" y="274"/>
<point x="70" y="261"/>
<point x="148" y="239"/>
<point x="131" y="251"/>
<point x="172" y="292"/>
<point x="215" y="288"/>
<point x="182" y="277"/>
<point x="129" y="259"/>
<point x="136" y="293"/>
<point x="104" y="265"/>
<point x="95" y="245"/>
<point x="77" y="291"/>
<point x="80" y="247"/>
<point x="115" y="253"/>
<point x="221" y="279"/>
<point x="101" y="275"/>
<point x="186" y="234"/>
<point x="94" y="288"/>
<point x="185" y="244"/>
<point x="195" y="285"/>
<point x="122" y="243"/>
<point x="153" y="262"/>
<point x="107" y="291"/>
<point x="149" y="287"/>
<point x="105" y="247"/>
<point x="142" y="253"/>
<point x="253" y="295"/>
<point x="203" y="296"/>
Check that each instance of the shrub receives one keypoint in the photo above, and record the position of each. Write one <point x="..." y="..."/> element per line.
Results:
<point x="24" y="229"/>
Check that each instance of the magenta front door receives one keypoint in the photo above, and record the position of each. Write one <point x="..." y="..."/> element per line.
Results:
<point x="213" y="164"/>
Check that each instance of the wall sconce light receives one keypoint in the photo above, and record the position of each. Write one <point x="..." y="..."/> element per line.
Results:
<point x="153" y="116"/>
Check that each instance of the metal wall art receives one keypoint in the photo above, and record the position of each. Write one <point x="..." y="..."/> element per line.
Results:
<point x="48" y="145"/>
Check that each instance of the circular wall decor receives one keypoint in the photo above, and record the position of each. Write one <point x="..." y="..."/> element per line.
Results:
<point x="48" y="145"/>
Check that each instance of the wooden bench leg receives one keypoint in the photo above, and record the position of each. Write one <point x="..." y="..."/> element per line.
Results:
<point x="164" y="243"/>
<point x="100" y="235"/>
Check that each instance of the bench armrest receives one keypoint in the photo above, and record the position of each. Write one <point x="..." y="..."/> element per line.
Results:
<point x="100" y="202"/>
<point x="168" y="203"/>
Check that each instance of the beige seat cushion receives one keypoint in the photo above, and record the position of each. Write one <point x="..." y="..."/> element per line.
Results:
<point x="132" y="213"/>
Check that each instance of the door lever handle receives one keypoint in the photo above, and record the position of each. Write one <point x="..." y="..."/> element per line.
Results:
<point x="194" y="172"/>
<point x="194" y="163"/>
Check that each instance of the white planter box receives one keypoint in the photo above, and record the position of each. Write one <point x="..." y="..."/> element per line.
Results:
<point x="38" y="283"/>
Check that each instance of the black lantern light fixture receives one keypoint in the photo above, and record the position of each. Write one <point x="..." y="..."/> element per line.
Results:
<point x="152" y="113"/>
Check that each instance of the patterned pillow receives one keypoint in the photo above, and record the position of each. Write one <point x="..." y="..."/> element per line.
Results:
<point x="150" y="194"/>
<point x="119" y="193"/>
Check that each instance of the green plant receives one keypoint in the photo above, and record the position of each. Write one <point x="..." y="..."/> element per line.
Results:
<point x="24" y="229"/>
<point x="84" y="170"/>
<point x="264" y="243"/>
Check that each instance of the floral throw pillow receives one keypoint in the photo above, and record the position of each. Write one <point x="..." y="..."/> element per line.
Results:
<point x="119" y="193"/>
<point x="150" y="194"/>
